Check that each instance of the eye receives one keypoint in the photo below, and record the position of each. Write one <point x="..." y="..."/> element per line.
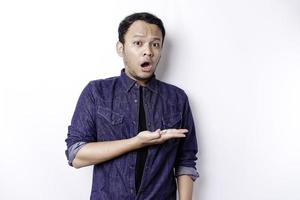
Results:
<point x="156" y="44"/>
<point x="137" y="43"/>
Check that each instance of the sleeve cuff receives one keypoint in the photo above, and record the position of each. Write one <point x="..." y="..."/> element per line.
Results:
<point x="192" y="172"/>
<point x="73" y="150"/>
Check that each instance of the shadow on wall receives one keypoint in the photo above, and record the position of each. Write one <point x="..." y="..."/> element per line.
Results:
<point x="164" y="62"/>
<point x="199" y="184"/>
<point x="161" y="72"/>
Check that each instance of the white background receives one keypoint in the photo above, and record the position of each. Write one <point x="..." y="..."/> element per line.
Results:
<point x="238" y="60"/>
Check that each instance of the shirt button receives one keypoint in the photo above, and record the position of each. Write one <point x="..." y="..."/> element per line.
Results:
<point x="132" y="191"/>
<point x="133" y="122"/>
<point x="135" y="101"/>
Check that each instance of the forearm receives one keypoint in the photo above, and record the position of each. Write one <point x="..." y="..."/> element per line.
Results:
<point x="185" y="187"/>
<point x="98" y="152"/>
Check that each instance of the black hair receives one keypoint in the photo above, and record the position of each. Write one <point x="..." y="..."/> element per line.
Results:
<point x="144" y="16"/>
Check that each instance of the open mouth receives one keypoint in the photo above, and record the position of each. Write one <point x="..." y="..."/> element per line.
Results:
<point x="145" y="64"/>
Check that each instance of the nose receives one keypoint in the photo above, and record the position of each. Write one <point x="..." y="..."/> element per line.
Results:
<point x="148" y="51"/>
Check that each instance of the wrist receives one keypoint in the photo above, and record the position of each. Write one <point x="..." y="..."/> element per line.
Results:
<point x="136" y="142"/>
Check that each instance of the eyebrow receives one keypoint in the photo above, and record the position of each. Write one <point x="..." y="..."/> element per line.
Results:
<point x="140" y="35"/>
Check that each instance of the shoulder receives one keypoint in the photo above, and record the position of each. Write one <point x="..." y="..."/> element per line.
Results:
<point x="167" y="88"/>
<point x="100" y="87"/>
<point x="170" y="91"/>
<point x="102" y="82"/>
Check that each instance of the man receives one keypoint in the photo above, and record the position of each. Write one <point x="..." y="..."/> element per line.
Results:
<point x="133" y="128"/>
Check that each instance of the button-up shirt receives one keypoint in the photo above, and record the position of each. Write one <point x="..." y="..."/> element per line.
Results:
<point x="108" y="110"/>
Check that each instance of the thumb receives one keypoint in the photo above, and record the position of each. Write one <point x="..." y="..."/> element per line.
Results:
<point x="156" y="133"/>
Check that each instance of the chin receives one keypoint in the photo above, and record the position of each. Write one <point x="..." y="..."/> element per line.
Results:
<point x="145" y="77"/>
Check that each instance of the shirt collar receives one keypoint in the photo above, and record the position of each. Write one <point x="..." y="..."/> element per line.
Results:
<point x="128" y="83"/>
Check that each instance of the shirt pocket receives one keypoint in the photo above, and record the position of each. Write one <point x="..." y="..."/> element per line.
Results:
<point x="172" y="121"/>
<point x="109" y="124"/>
<point x="112" y="117"/>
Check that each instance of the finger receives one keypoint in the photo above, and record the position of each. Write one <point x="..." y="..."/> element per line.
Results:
<point x="183" y="130"/>
<point x="157" y="131"/>
<point x="175" y="135"/>
<point x="167" y="136"/>
<point x="173" y="131"/>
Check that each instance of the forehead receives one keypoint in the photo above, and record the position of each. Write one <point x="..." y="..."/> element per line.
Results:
<point x="143" y="29"/>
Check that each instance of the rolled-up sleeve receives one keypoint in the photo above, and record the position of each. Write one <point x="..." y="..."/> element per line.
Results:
<point x="73" y="150"/>
<point x="82" y="129"/>
<point x="186" y="156"/>
<point x="190" y="171"/>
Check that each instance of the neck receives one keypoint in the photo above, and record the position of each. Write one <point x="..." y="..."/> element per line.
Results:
<point x="142" y="82"/>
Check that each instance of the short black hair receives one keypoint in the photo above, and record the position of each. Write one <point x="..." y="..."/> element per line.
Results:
<point x="144" y="16"/>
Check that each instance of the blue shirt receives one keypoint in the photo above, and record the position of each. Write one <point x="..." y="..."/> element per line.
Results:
<point x="109" y="110"/>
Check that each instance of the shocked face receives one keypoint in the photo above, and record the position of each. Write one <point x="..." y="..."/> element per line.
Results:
<point x="141" y="50"/>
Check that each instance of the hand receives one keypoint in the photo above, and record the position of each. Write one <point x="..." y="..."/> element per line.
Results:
<point x="146" y="138"/>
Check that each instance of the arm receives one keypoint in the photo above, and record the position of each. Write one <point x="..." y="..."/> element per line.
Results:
<point x="185" y="165"/>
<point x="185" y="187"/>
<point x="82" y="133"/>
<point x="98" y="152"/>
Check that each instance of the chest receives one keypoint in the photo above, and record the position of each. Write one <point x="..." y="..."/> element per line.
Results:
<point x="118" y="117"/>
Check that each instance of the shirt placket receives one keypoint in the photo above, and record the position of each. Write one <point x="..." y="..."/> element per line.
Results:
<point x="135" y="103"/>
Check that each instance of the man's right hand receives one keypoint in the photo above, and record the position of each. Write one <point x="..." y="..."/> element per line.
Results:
<point x="146" y="138"/>
<point x="98" y="152"/>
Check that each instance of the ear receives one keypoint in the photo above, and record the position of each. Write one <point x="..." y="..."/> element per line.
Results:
<point x="120" y="49"/>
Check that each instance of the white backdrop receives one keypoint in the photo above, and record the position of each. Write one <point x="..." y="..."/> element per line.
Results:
<point x="238" y="60"/>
